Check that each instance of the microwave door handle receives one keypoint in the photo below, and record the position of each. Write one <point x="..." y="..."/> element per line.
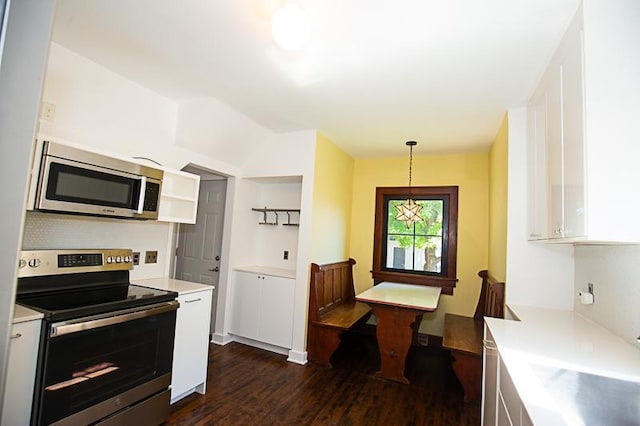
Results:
<point x="143" y="189"/>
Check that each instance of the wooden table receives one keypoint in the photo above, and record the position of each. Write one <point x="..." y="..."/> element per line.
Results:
<point x="397" y="307"/>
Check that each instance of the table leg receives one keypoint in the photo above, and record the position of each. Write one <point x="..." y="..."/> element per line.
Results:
<point x="394" y="335"/>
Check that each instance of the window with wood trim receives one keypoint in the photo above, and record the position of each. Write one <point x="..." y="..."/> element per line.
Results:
<point x="425" y="252"/>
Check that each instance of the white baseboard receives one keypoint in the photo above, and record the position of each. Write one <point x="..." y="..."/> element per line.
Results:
<point x="222" y="339"/>
<point x="297" y="357"/>
<point x="261" y="345"/>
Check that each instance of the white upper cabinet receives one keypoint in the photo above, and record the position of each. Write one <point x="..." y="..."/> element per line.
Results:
<point x="584" y="131"/>
<point x="179" y="197"/>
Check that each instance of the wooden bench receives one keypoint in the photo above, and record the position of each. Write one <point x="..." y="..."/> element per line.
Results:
<point x="463" y="336"/>
<point x="332" y="309"/>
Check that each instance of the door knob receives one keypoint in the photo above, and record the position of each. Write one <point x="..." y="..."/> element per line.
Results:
<point x="216" y="269"/>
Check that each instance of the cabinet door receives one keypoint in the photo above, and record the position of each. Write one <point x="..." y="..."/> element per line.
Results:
<point x="23" y="356"/>
<point x="573" y="142"/>
<point x="276" y="311"/>
<point x="555" y="188"/>
<point x="245" y="305"/>
<point x="489" y="380"/>
<point x="191" y="350"/>
<point x="537" y="167"/>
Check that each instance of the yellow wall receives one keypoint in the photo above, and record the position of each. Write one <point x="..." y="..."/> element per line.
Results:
<point x="332" y="190"/>
<point x="498" y="164"/>
<point x="470" y="173"/>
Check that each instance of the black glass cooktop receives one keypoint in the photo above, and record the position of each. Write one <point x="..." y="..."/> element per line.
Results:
<point x="68" y="304"/>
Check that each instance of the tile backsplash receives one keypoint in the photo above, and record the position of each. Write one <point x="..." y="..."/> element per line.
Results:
<point x="615" y="274"/>
<point x="57" y="231"/>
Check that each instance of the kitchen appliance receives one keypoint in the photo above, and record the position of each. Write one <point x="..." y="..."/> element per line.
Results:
<point x="106" y="347"/>
<point x="73" y="180"/>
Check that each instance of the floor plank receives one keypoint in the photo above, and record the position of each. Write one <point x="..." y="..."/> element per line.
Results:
<point x="249" y="386"/>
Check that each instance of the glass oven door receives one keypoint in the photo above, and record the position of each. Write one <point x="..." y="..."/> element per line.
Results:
<point x="89" y="360"/>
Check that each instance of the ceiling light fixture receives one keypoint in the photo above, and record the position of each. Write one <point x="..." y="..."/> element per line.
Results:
<point x="290" y="27"/>
<point x="409" y="212"/>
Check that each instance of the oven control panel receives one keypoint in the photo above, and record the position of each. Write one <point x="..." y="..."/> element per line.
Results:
<point x="53" y="262"/>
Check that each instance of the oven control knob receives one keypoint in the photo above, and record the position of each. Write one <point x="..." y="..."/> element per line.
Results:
<point x="34" y="263"/>
<point x="118" y="259"/>
<point x="109" y="259"/>
<point x="22" y="263"/>
<point x="127" y="259"/>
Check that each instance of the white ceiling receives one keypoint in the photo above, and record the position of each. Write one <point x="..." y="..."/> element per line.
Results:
<point x="374" y="73"/>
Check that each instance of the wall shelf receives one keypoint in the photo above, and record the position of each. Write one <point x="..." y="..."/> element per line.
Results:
<point x="265" y="211"/>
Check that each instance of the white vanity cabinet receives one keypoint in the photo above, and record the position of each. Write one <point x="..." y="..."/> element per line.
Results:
<point x="21" y="369"/>
<point x="262" y="307"/>
<point x="582" y="158"/>
<point x="191" y="343"/>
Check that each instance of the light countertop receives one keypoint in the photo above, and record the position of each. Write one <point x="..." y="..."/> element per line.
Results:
<point x="22" y="314"/>
<point x="420" y="297"/>
<point x="546" y="348"/>
<point x="170" y="284"/>
<point x="267" y="270"/>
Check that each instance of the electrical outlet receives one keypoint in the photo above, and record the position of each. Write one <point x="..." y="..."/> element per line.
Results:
<point x="151" y="257"/>
<point x="48" y="111"/>
<point x="286" y="255"/>
<point x="136" y="257"/>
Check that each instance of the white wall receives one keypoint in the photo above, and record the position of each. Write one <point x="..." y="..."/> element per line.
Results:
<point x="209" y="126"/>
<point x="538" y="274"/>
<point x="614" y="272"/>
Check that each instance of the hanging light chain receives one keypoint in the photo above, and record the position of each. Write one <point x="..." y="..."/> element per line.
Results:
<point x="411" y="144"/>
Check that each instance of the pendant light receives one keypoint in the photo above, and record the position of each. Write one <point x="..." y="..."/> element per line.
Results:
<point x="409" y="212"/>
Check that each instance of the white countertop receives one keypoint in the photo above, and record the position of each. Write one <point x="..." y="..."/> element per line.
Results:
<point x="420" y="297"/>
<point x="22" y="314"/>
<point x="170" y="284"/>
<point x="267" y="270"/>
<point x="564" y="340"/>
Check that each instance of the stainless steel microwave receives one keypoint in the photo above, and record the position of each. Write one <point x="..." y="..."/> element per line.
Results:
<point x="71" y="180"/>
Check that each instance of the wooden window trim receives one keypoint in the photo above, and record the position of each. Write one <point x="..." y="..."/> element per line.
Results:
<point x="447" y="282"/>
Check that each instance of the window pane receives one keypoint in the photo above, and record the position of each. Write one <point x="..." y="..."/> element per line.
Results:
<point x="419" y="246"/>
<point x="425" y="256"/>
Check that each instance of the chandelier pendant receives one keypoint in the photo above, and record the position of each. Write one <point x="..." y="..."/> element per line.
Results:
<point x="409" y="212"/>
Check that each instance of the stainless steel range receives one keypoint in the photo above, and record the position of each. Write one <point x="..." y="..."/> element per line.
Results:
<point x="106" y="346"/>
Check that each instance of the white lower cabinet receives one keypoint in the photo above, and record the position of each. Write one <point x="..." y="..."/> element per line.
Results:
<point x="501" y="403"/>
<point x="262" y="308"/>
<point x="191" y="348"/>
<point x="23" y="357"/>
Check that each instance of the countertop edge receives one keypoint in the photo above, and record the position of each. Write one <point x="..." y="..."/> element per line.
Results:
<point x="171" y="284"/>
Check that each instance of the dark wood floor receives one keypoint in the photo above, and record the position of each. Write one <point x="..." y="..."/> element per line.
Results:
<point x="249" y="386"/>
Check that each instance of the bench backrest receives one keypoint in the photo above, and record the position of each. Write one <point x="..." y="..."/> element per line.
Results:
<point x="330" y="286"/>
<point x="491" y="301"/>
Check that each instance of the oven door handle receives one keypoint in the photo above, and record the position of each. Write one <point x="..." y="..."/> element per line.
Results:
<point x="88" y="323"/>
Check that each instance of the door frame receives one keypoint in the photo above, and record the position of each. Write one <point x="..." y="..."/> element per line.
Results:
<point x="206" y="174"/>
